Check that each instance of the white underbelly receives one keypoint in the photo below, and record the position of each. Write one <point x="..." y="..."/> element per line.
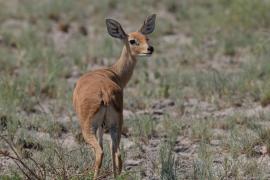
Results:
<point x="106" y="117"/>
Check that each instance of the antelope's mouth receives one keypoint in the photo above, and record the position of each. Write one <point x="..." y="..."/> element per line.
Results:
<point x="145" y="54"/>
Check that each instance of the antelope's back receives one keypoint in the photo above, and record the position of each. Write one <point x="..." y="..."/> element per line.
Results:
<point x="95" y="89"/>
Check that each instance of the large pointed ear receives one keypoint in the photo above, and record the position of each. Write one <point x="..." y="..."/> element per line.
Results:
<point x="115" y="29"/>
<point x="148" y="25"/>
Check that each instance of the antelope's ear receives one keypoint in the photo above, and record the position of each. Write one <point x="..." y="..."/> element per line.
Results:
<point x="115" y="29"/>
<point x="148" y="25"/>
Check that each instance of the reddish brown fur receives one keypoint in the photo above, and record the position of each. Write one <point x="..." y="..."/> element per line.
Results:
<point x="142" y="39"/>
<point x="98" y="99"/>
<point x="96" y="88"/>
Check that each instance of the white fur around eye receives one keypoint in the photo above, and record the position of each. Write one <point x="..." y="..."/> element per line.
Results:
<point x="134" y="42"/>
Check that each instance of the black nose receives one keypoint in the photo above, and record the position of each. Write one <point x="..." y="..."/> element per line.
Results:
<point x="150" y="48"/>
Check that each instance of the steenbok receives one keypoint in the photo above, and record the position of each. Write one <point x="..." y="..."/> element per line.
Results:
<point x="98" y="95"/>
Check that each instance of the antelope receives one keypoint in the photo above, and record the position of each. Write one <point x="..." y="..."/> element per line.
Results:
<point x="98" y="94"/>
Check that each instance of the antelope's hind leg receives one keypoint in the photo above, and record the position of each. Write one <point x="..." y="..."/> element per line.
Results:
<point x="91" y="128"/>
<point x="89" y="135"/>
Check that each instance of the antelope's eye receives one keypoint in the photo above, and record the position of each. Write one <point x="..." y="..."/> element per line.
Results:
<point x="132" y="41"/>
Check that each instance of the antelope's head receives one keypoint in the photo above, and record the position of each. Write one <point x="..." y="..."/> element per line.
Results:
<point x="138" y="41"/>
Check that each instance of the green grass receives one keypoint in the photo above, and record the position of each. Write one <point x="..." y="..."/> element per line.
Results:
<point x="168" y="164"/>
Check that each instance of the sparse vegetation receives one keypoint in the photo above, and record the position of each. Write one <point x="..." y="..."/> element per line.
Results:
<point x="211" y="60"/>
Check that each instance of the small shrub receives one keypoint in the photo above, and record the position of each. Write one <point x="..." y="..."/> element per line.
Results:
<point x="168" y="169"/>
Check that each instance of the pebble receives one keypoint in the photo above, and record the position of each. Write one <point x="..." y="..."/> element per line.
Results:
<point x="163" y="104"/>
<point x="132" y="163"/>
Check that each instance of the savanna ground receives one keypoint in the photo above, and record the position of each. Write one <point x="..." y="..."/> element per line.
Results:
<point x="197" y="109"/>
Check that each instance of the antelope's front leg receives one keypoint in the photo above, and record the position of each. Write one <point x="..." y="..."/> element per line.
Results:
<point x="115" y="133"/>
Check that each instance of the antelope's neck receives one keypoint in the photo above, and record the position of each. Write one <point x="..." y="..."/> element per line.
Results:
<point x="124" y="66"/>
